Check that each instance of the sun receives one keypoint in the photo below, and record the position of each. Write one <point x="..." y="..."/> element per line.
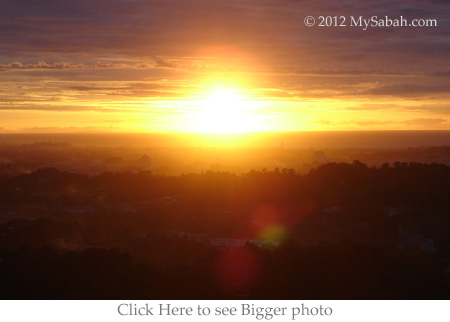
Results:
<point x="225" y="110"/>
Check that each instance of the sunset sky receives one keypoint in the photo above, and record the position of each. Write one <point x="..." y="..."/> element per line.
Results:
<point x="213" y="65"/>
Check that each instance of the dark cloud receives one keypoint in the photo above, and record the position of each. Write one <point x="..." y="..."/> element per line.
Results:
<point x="272" y="30"/>
<point x="70" y="108"/>
<point x="163" y="63"/>
<point x="408" y="90"/>
<point x="441" y="73"/>
<point x="42" y="65"/>
<point x="174" y="28"/>
<point x="353" y="72"/>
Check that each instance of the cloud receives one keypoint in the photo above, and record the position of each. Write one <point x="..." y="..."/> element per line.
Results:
<point x="441" y="73"/>
<point x="408" y="90"/>
<point x="345" y="73"/>
<point x="425" y="122"/>
<point x="372" y="123"/>
<point x="112" y="55"/>
<point x="68" y="129"/>
<point x="178" y="28"/>
<point x="163" y="63"/>
<point x="322" y="122"/>
<point x="372" y="107"/>
<point x="112" y="108"/>
<point x="46" y="107"/>
<point x="440" y="109"/>
<point x="270" y="30"/>
<point x="435" y="108"/>
<point x="42" y="65"/>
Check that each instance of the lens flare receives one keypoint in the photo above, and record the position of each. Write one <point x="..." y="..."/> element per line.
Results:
<point x="273" y="233"/>
<point x="269" y="223"/>
<point x="238" y="270"/>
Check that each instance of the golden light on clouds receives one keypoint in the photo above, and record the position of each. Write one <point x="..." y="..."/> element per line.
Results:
<point x="218" y="66"/>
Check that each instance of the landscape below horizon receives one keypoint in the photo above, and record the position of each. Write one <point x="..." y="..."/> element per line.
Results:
<point x="140" y="216"/>
<point x="289" y="139"/>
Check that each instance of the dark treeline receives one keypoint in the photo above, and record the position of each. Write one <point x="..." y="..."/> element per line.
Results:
<point x="411" y="184"/>
<point x="344" y="231"/>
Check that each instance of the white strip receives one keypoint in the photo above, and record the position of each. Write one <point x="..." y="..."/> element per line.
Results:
<point x="134" y="311"/>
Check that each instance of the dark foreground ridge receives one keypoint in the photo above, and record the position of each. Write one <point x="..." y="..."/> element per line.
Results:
<point x="343" y="231"/>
